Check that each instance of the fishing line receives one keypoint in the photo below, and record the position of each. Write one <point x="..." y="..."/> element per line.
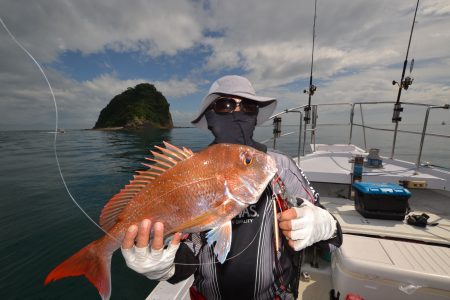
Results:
<point x="266" y="209"/>
<point x="206" y="245"/>
<point x="57" y="158"/>
<point x="56" y="127"/>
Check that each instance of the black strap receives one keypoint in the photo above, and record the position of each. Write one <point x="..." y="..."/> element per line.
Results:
<point x="419" y="220"/>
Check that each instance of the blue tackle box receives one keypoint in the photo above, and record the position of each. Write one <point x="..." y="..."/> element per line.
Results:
<point x="381" y="200"/>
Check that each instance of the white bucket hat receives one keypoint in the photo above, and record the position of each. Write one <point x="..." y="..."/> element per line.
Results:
<point x="234" y="85"/>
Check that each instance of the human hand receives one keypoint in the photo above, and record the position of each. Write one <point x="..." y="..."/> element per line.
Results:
<point x="306" y="225"/>
<point x="155" y="263"/>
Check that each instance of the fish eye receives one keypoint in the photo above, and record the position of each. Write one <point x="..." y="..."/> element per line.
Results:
<point x="247" y="159"/>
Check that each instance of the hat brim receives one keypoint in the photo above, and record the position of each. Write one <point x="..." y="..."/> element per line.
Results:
<point x="266" y="107"/>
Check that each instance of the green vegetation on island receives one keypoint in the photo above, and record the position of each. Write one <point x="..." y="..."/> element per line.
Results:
<point x="140" y="107"/>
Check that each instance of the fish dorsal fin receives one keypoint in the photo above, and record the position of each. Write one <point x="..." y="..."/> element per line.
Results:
<point x="169" y="157"/>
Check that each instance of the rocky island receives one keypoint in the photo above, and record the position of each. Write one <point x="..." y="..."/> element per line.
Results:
<point x="140" y="107"/>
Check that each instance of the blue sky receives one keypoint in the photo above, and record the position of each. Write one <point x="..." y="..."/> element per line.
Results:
<point x="94" y="50"/>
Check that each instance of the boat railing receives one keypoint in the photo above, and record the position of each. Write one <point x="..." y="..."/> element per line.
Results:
<point x="303" y="127"/>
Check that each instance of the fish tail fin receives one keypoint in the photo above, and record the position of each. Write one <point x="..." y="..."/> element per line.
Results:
<point x="92" y="262"/>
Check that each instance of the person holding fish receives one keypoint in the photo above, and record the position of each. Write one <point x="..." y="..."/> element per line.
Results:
<point x="244" y="258"/>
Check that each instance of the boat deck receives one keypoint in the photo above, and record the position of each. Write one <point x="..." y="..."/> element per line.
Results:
<point x="387" y="249"/>
<point x="331" y="164"/>
<point x="433" y="203"/>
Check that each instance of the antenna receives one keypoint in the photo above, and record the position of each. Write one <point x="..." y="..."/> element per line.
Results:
<point x="404" y="83"/>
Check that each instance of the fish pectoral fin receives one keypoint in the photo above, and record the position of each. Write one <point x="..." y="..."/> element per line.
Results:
<point x="222" y="236"/>
<point x="200" y="222"/>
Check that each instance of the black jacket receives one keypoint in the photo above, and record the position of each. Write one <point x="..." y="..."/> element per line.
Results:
<point x="252" y="270"/>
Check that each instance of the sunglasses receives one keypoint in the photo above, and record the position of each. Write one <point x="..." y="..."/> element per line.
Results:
<point x="225" y="105"/>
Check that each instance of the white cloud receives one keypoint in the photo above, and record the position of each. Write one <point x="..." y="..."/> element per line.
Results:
<point x="177" y="88"/>
<point x="79" y="103"/>
<point x="223" y="56"/>
<point x="155" y="27"/>
<point x="360" y="47"/>
<point x="436" y="7"/>
<point x="109" y="85"/>
<point x="99" y="91"/>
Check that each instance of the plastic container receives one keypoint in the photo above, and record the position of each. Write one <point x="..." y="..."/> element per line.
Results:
<point x="373" y="159"/>
<point x="381" y="200"/>
<point x="375" y="269"/>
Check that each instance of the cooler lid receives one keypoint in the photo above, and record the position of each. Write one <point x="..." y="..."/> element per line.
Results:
<point x="396" y="261"/>
<point x="376" y="188"/>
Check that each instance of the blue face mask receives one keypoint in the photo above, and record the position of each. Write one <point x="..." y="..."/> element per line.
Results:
<point x="234" y="128"/>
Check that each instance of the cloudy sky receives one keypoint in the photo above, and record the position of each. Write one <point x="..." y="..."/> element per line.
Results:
<point x="93" y="50"/>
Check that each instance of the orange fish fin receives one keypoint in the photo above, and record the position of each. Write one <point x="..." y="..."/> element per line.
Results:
<point x="170" y="153"/>
<point x="168" y="158"/>
<point x="89" y="262"/>
<point x="112" y="210"/>
<point x="164" y="159"/>
<point x="201" y="220"/>
<point x="185" y="152"/>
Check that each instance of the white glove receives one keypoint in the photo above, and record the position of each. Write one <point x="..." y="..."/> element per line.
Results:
<point x="311" y="225"/>
<point x="154" y="264"/>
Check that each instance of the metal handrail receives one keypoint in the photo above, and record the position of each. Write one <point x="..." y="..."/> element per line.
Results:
<point x="299" y="109"/>
<point x="425" y="124"/>
<point x="399" y="130"/>
<point x="363" y="125"/>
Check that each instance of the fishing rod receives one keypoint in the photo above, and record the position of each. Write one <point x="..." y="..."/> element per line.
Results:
<point x="312" y="88"/>
<point x="404" y="83"/>
<point x="310" y="91"/>
<point x="307" y="118"/>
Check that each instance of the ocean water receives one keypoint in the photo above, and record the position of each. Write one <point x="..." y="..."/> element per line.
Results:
<point x="41" y="226"/>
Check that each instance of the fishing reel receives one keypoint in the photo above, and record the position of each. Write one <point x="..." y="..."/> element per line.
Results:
<point x="405" y="83"/>
<point x="311" y="91"/>
<point x="408" y="80"/>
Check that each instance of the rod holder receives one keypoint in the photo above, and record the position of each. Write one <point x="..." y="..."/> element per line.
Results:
<point x="307" y="116"/>
<point x="276" y="130"/>
<point x="397" y="110"/>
